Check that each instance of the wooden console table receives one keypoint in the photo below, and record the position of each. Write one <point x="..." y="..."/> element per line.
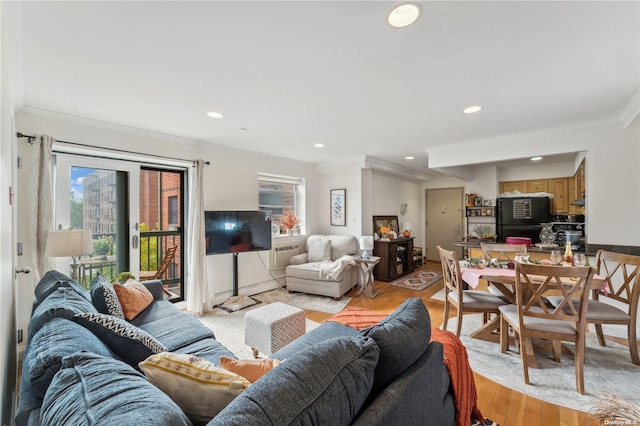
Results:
<point x="396" y="258"/>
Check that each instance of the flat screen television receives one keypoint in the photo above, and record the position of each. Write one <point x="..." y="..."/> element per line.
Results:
<point x="237" y="231"/>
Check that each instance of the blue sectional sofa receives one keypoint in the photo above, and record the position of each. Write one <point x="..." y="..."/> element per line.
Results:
<point x="77" y="371"/>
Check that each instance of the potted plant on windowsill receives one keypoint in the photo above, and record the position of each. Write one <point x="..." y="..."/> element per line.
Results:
<point x="288" y="221"/>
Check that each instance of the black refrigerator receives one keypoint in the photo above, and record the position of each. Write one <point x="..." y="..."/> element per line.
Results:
<point x="522" y="216"/>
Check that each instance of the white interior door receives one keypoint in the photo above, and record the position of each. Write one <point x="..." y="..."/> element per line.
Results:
<point x="103" y="195"/>
<point x="444" y="216"/>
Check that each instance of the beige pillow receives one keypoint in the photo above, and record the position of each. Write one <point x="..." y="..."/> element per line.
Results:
<point x="250" y="369"/>
<point x="200" y="388"/>
<point x="134" y="298"/>
<point x="319" y="251"/>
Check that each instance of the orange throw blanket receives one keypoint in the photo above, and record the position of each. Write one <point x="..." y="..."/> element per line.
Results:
<point x="462" y="382"/>
<point x="455" y="358"/>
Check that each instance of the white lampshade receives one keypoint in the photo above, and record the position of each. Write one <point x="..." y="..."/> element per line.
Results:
<point x="69" y="242"/>
<point x="366" y="242"/>
<point x="407" y="226"/>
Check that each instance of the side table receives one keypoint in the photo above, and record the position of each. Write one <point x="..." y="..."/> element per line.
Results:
<point x="366" y="276"/>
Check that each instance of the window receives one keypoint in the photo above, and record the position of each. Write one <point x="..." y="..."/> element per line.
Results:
<point x="281" y="194"/>
<point x="173" y="210"/>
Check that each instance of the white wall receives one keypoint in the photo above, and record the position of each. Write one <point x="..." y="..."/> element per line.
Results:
<point x="338" y="176"/>
<point x="391" y="191"/>
<point x="231" y="183"/>
<point x="550" y="171"/>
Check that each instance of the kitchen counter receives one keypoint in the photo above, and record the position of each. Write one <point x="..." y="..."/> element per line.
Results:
<point x="475" y="244"/>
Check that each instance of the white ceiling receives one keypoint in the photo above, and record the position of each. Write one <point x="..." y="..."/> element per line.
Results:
<point x="290" y="74"/>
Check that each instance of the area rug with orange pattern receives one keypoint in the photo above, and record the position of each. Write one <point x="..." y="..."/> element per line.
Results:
<point x="418" y="280"/>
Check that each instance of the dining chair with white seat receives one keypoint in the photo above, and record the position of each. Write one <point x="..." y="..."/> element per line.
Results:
<point x="532" y="316"/>
<point x="502" y="252"/>
<point x="465" y="301"/>
<point x="622" y="275"/>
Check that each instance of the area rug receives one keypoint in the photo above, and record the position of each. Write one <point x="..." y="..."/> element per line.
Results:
<point x="606" y="369"/>
<point x="312" y="302"/>
<point x="418" y="280"/>
<point x="228" y="328"/>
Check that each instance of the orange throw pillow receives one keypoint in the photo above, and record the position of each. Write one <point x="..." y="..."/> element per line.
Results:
<point x="134" y="298"/>
<point x="250" y="369"/>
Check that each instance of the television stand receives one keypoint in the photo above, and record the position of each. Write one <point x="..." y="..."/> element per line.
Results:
<point x="235" y="274"/>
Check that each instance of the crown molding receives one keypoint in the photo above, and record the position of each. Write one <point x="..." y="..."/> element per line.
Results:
<point x="631" y="110"/>
<point x="149" y="134"/>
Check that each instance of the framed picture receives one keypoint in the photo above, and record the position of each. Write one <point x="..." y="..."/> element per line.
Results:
<point x="389" y="222"/>
<point x="339" y="207"/>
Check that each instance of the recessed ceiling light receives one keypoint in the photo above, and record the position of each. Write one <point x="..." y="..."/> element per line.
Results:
<point x="536" y="158"/>
<point x="411" y="157"/>
<point x="472" y="109"/>
<point x="214" y="114"/>
<point x="404" y="15"/>
<point x="318" y="145"/>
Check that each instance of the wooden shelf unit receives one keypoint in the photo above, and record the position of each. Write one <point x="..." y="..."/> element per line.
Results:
<point x="396" y="258"/>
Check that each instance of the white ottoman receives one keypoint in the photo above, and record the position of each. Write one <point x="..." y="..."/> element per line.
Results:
<point x="269" y="328"/>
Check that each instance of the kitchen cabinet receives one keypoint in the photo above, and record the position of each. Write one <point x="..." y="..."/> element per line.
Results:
<point x="396" y="258"/>
<point x="537" y="185"/>
<point x="561" y="200"/>
<point x="566" y="190"/>
<point x="578" y="189"/>
<point x="512" y="186"/>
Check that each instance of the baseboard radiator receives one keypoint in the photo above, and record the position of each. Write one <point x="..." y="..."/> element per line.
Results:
<point x="280" y="256"/>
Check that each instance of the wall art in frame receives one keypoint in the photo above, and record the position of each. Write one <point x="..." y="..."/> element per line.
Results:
<point x="390" y="222"/>
<point x="339" y="207"/>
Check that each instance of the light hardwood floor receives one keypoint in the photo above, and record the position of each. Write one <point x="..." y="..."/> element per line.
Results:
<point x="496" y="402"/>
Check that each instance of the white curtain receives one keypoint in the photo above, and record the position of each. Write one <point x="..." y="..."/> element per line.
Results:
<point x="198" y="285"/>
<point x="41" y="202"/>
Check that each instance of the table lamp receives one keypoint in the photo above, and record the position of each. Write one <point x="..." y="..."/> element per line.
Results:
<point x="366" y="245"/>
<point x="406" y="226"/>
<point x="69" y="242"/>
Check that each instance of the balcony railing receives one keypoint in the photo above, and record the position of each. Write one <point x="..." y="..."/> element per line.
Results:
<point x="153" y="247"/>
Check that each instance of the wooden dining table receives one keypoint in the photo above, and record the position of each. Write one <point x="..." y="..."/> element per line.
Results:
<point x="504" y="280"/>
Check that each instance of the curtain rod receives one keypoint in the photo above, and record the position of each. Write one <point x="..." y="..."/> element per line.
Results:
<point x="30" y="140"/>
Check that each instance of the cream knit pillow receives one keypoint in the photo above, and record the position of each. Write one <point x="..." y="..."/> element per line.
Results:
<point x="200" y="388"/>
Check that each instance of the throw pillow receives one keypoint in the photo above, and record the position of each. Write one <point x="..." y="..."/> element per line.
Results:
<point x="402" y="337"/>
<point x="130" y="343"/>
<point x="319" y="251"/>
<point x="250" y="369"/>
<point x="91" y="389"/>
<point x="134" y="298"/>
<point x="198" y="386"/>
<point x="329" y="381"/>
<point x="104" y="297"/>
<point x="54" y="279"/>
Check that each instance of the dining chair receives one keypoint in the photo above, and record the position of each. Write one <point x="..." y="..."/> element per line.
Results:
<point x="168" y="258"/>
<point x="622" y="275"/>
<point x="533" y="317"/>
<point x="465" y="301"/>
<point x="502" y="252"/>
